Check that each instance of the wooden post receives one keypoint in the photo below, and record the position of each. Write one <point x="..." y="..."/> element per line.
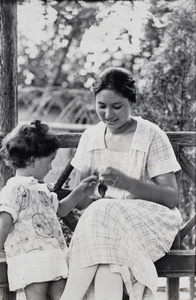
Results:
<point x="8" y="99"/>
<point x="173" y="292"/>
<point x="8" y="73"/>
<point x="173" y="284"/>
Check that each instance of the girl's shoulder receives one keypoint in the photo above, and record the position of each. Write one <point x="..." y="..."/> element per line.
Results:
<point x="19" y="183"/>
<point x="12" y="186"/>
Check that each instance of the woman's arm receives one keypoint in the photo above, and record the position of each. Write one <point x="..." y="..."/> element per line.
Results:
<point x="5" y="226"/>
<point x="163" y="190"/>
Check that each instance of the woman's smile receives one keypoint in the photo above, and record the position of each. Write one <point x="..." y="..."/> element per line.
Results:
<point x="113" y="109"/>
<point x="111" y="121"/>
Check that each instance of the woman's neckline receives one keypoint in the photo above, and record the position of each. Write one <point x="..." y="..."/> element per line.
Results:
<point x="128" y="127"/>
<point x="125" y="132"/>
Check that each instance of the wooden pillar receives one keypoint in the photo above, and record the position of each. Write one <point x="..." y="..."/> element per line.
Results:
<point x="8" y="73"/>
<point x="172" y="289"/>
<point x="173" y="284"/>
<point x="8" y="99"/>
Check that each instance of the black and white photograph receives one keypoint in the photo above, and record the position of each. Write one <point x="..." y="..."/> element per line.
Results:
<point x="97" y="150"/>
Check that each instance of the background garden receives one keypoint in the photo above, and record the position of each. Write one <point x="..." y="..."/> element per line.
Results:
<point x="64" y="45"/>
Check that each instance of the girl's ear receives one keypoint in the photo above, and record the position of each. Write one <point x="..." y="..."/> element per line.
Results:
<point x="32" y="161"/>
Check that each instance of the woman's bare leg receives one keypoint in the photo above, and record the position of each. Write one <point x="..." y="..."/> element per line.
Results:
<point x="37" y="291"/>
<point x="78" y="283"/>
<point x="108" y="285"/>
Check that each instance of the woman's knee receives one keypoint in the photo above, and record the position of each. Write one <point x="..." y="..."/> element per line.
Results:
<point x="108" y="285"/>
<point x="104" y="273"/>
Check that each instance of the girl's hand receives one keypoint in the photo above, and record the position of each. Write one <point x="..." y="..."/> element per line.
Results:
<point x="88" y="185"/>
<point x="79" y="197"/>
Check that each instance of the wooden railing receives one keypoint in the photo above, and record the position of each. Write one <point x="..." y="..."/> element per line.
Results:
<point x="178" y="262"/>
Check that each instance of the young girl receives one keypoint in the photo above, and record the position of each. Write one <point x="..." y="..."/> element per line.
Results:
<point x="30" y="232"/>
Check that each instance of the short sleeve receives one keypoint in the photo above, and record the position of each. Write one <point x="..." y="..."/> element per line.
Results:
<point x="81" y="159"/>
<point x="9" y="201"/>
<point x="161" y="157"/>
<point x="54" y="201"/>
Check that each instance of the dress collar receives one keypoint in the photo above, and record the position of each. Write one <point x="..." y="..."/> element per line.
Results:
<point x="139" y="142"/>
<point x="23" y="179"/>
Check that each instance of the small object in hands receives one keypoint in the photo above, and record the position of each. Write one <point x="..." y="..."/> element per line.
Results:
<point x="102" y="188"/>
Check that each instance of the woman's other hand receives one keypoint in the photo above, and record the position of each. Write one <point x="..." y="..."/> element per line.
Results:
<point x="114" y="177"/>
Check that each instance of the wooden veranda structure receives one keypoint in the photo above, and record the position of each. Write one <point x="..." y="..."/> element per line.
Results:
<point x="8" y="72"/>
<point x="172" y="266"/>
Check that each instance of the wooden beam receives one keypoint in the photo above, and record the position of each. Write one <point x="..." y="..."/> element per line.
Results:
<point x="69" y="140"/>
<point x="69" y="135"/>
<point x="187" y="227"/>
<point x="187" y="165"/>
<point x="177" y="263"/>
<point x="8" y="83"/>
<point x="8" y="73"/>
<point x="182" y="138"/>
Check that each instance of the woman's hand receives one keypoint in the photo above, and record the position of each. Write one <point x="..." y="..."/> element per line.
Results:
<point x="114" y="177"/>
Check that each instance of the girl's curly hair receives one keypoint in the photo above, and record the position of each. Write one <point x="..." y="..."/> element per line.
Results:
<point x="26" y="141"/>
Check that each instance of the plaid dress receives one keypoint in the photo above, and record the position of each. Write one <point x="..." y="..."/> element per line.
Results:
<point x="127" y="234"/>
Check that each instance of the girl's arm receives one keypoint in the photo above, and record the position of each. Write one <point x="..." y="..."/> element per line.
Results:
<point x="163" y="190"/>
<point x="86" y="201"/>
<point x="79" y="194"/>
<point x="5" y="226"/>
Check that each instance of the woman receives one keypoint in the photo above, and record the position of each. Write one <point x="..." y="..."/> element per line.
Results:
<point x="119" y="237"/>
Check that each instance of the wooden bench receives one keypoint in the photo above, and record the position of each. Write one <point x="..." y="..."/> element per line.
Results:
<point x="179" y="262"/>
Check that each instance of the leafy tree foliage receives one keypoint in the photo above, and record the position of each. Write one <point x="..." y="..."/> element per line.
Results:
<point x="56" y="63"/>
<point x="164" y="65"/>
<point x="168" y="86"/>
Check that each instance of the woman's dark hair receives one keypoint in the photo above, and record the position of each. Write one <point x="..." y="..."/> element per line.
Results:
<point x="26" y="141"/>
<point x="117" y="79"/>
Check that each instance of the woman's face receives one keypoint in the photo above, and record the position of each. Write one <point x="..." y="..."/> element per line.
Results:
<point x="113" y="109"/>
